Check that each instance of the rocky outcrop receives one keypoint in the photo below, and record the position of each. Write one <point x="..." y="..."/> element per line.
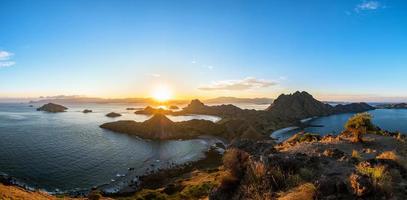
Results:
<point x="113" y="114"/>
<point x="87" y="111"/>
<point x="297" y="106"/>
<point x="174" y="107"/>
<point x="53" y="108"/>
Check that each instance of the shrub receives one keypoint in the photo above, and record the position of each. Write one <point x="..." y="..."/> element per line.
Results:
<point x="359" y="124"/>
<point x="379" y="175"/>
<point x="356" y="155"/>
<point x="391" y="155"/>
<point x="235" y="161"/>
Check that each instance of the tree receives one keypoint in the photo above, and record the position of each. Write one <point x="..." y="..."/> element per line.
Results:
<point x="359" y="124"/>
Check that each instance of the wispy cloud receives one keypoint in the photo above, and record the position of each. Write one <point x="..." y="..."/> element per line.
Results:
<point x="368" y="5"/>
<point x="243" y="84"/>
<point x="5" y="57"/>
<point x="7" y="64"/>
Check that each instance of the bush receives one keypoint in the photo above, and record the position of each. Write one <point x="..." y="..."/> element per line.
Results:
<point x="235" y="161"/>
<point x="359" y="124"/>
<point x="379" y="175"/>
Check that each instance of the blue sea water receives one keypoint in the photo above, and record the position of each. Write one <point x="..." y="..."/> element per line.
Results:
<point x="68" y="151"/>
<point x="387" y="119"/>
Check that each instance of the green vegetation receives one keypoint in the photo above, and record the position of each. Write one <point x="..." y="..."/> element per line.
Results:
<point x="379" y="175"/>
<point x="359" y="124"/>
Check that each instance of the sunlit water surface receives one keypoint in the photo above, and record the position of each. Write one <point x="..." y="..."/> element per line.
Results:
<point x="68" y="151"/>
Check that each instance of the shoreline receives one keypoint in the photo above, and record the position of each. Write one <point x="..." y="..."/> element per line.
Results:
<point x="212" y="158"/>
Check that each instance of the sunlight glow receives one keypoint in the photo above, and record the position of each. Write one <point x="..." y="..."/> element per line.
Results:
<point x="162" y="93"/>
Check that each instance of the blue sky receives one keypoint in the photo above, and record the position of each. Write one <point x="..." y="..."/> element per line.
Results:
<point x="337" y="50"/>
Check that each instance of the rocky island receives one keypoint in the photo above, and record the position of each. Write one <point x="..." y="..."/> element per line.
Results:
<point x="286" y="110"/>
<point x="52" y="108"/>
<point x="159" y="127"/>
<point x="113" y="114"/>
<point x="87" y="111"/>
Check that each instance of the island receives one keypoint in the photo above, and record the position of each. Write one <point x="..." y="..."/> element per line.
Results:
<point x="52" y="108"/>
<point x="113" y="114"/>
<point x="393" y="106"/>
<point x="87" y="111"/>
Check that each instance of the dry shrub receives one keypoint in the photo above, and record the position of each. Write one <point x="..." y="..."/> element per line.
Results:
<point x="235" y="161"/>
<point x="379" y="175"/>
<point x="356" y="154"/>
<point x="229" y="182"/>
<point x="305" y="191"/>
<point x="391" y="155"/>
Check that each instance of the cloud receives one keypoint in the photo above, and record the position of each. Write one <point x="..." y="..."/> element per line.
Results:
<point x="368" y="5"/>
<point x="243" y="84"/>
<point x="5" y="59"/>
<point x="4" y="55"/>
<point x="7" y="64"/>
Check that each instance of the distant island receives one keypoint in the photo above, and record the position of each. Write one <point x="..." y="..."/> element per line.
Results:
<point x="392" y="106"/>
<point x="52" y="108"/>
<point x="80" y="99"/>
<point x="286" y="110"/>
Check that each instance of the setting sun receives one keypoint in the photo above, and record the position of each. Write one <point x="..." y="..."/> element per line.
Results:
<point x="162" y="94"/>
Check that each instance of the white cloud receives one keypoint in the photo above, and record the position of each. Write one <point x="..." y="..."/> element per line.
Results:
<point x="243" y="84"/>
<point x="368" y="5"/>
<point x="7" y="64"/>
<point x="5" y="59"/>
<point x="4" y="55"/>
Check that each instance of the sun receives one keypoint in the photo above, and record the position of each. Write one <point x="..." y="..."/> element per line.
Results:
<point x="162" y="93"/>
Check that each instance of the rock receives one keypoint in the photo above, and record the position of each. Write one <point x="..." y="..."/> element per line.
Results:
<point x="172" y="188"/>
<point x="131" y="108"/>
<point x="113" y="114"/>
<point x="360" y="185"/>
<point x="174" y="107"/>
<point x="87" y="111"/>
<point x="53" y="108"/>
<point x="332" y="186"/>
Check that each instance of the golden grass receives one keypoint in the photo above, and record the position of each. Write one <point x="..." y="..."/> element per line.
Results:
<point x="380" y="176"/>
<point x="356" y="154"/>
<point x="306" y="191"/>
<point x="391" y="155"/>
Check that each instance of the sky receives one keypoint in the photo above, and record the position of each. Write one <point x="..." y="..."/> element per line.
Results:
<point x="347" y="50"/>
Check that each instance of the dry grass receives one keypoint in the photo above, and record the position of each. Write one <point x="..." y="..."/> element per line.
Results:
<point x="391" y="155"/>
<point x="380" y="176"/>
<point x="305" y="191"/>
<point x="356" y="154"/>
